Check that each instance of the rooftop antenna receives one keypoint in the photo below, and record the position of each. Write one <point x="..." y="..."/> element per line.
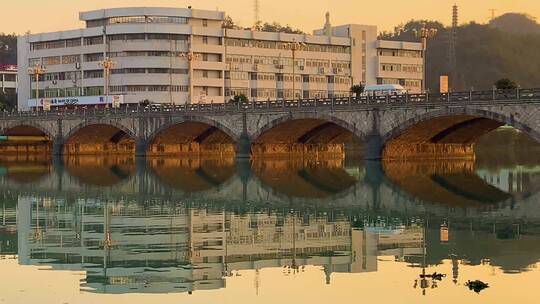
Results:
<point x="493" y="11"/>
<point x="256" y="11"/>
<point x="452" y="61"/>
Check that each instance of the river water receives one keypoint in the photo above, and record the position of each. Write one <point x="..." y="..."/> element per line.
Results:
<point x="166" y="230"/>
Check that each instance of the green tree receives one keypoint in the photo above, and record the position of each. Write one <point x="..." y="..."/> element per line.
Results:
<point x="277" y="27"/>
<point x="228" y="23"/>
<point x="8" y="102"/>
<point x="505" y="84"/>
<point x="8" y="49"/>
<point x="239" y="98"/>
<point x="358" y="89"/>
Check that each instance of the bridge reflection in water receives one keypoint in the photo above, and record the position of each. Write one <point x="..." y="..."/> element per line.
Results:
<point x="179" y="225"/>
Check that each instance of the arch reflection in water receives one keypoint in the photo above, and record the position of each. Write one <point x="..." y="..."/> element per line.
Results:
<point x="332" y="183"/>
<point x="193" y="174"/>
<point x="129" y="247"/>
<point x="462" y="183"/>
<point x="100" y="171"/>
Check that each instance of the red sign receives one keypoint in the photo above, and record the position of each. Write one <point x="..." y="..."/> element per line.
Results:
<point x="8" y="67"/>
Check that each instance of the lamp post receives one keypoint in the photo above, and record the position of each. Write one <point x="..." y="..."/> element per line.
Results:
<point x="424" y="34"/>
<point x="36" y="71"/>
<point x="295" y="46"/>
<point x="190" y="56"/>
<point x="107" y="65"/>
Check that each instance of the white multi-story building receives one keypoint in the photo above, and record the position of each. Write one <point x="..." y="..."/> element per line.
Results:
<point x="177" y="56"/>
<point x="8" y="79"/>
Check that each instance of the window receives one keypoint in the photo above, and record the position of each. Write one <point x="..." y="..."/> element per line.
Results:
<point x="93" y="91"/>
<point x="133" y="19"/>
<point x="10" y="77"/>
<point x="412" y="68"/>
<point x="165" y="19"/>
<point x="93" y="57"/>
<point x="69" y="59"/>
<point x="266" y="76"/>
<point x="205" y="22"/>
<point x="34" y="61"/>
<point x="158" y="88"/>
<point x="390" y="67"/>
<point x="93" y="74"/>
<point x="93" y="40"/>
<point x="158" y="71"/>
<point x="205" y="40"/>
<point x="179" y="88"/>
<point x="51" y="60"/>
<point x="135" y="71"/>
<point x="73" y="42"/>
<point x="68" y="92"/>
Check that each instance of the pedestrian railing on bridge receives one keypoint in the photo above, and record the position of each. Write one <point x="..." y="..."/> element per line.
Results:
<point x="366" y="101"/>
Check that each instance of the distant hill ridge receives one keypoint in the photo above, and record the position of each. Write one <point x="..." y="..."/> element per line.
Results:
<point x="516" y="23"/>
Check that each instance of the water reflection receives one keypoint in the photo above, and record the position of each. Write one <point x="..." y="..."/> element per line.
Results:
<point x="165" y="225"/>
<point x="126" y="247"/>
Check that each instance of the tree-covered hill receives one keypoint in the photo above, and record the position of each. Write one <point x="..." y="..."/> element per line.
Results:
<point x="8" y="49"/>
<point x="484" y="52"/>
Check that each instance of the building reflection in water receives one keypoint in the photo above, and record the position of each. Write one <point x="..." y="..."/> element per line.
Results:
<point x="174" y="225"/>
<point x="133" y="248"/>
<point x="128" y="247"/>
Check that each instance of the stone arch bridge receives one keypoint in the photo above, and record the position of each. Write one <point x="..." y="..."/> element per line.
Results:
<point x="404" y="126"/>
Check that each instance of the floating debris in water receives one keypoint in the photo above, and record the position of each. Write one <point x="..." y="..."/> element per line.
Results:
<point x="433" y="276"/>
<point x="476" y="285"/>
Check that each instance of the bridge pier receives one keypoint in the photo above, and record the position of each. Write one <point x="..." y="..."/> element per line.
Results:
<point x="373" y="147"/>
<point x="243" y="147"/>
<point x="58" y="146"/>
<point x="141" y="147"/>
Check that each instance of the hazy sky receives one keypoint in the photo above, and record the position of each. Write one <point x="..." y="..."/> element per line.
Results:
<point x="37" y="16"/>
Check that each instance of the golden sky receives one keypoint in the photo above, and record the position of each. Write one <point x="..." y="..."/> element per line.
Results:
<point x="37" y="16"/>
<point x="391" y="283"/>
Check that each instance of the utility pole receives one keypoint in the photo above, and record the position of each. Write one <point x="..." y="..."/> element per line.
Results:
<point x="295" y="46"/>
<point x="37" y="70"/>
<point x="107" y="65"/>
<point x="190" y="56"/>
<point x="424" y="34"/>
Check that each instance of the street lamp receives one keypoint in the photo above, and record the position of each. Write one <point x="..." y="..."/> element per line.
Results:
<point x="190" y="56"/>
<point x="107" y="65"/>
<point x="36" y="71"/>
<point x="424" y="34"/>
<point x="294" y="46"/>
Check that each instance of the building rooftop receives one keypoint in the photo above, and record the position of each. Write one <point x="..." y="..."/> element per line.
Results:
<point x="150" y="11"/>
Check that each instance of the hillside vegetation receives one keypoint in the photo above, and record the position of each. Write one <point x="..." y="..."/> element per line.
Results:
<point x="507" y="47"/>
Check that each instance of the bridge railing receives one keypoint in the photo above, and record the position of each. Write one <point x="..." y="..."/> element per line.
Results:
<point x="522" y="95"/>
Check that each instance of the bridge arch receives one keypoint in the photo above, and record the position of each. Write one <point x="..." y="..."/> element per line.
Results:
<point x="99" y="137"/>
<point x="38" y="139"/>
<point x="447" y="132"/>
<point x="192" y="135"/>
<point x="298" y="133"/>
<point x="27" y="128"/>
